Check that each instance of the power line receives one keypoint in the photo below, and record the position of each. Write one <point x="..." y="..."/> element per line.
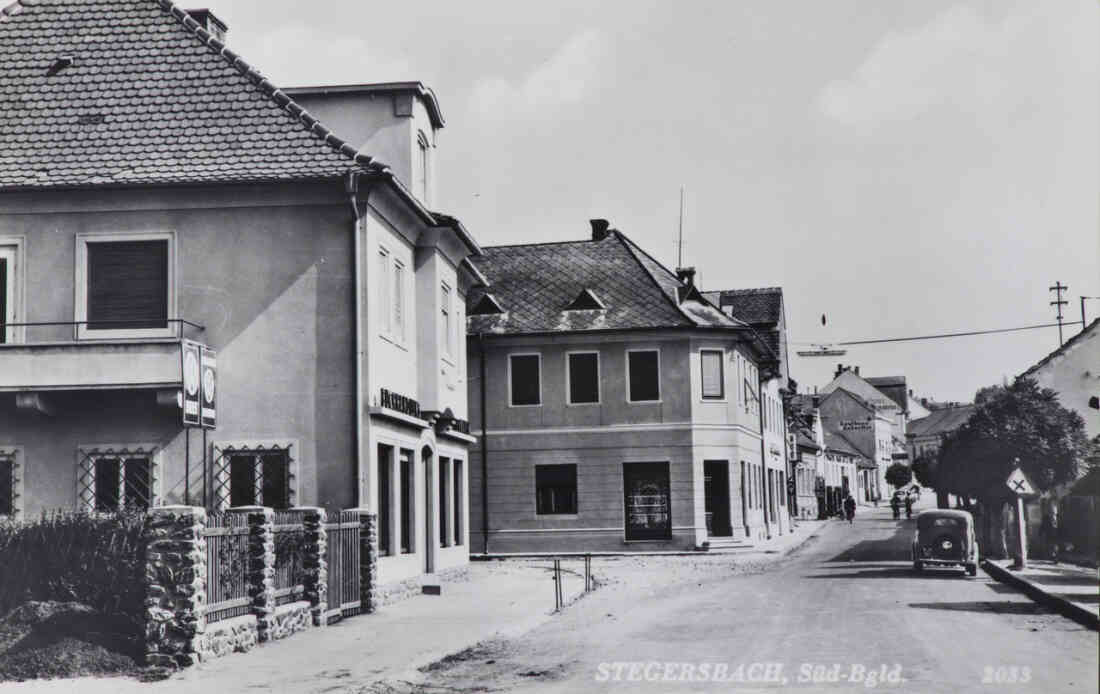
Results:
<point x="943" y="335"/>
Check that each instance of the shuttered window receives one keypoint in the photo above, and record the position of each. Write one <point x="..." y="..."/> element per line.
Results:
<point x="127" y="285"/>
<point x="713" y="380"/>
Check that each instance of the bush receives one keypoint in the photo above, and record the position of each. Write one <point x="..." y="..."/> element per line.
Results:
<point x="899" y="475"/>
<point x="75" y="557"/>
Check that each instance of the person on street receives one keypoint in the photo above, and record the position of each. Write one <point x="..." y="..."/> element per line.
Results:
<point x="908" y="506"/>
<point x="895" y="506"/>
<point x="850" y="508"/>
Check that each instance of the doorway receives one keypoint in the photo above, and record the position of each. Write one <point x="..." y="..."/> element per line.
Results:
<point x="716" y="493"/>
<point x="429" y="510"/>
<point x="647" y="504"/>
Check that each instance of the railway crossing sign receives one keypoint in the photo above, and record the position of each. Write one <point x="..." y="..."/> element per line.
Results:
<point x="1019" y="484"/>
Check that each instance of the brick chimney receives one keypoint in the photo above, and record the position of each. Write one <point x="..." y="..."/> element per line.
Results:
<point x="207" y="20"/>
<point x="686" y="275"/>
<point x="600" y="229"/>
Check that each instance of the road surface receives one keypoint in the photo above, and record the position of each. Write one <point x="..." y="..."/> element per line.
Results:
<point x="845" y="605"/>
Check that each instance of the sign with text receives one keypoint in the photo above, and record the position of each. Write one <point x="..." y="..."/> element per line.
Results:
<point x="854" y="425"/>
<point x="1019" y="483"/>
<point x="208" y="409"/>
<point x="190" y="355"/>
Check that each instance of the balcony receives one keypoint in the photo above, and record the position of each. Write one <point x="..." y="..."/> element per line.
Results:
<point x="53" y="362"/>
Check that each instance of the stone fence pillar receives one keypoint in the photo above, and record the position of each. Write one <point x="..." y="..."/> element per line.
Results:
<point x="261" y="565"/>
<point x="175" y="585"/>
<point x="315" y="562"/>
<point x="368" y="560"/>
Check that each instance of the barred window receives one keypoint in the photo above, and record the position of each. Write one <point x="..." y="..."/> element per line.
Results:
<point x="255" y="474"/>
<point x="117" y="478"/>
<point x="10" y="483"/>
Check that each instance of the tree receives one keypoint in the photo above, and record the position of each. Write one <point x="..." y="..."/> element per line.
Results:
<point x="1019" y="422"/>
<point x="899" y="475"/>
<point x="924" y="470"/>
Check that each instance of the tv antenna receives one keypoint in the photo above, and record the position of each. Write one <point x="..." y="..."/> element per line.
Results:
<point x="1058" y="288"/>
<point x="680" y="242"/>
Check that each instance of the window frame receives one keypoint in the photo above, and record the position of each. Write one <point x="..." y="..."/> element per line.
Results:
<point x="423" y="167"/>
<point x="15" y="454"/>
<point x="406" y="528"/>
<point x="511" y="392"/>
<point x="80" y="309"/>
<point x="576" y="491"/>
<point x="237" y="446"/>
<point x="458" y="495"/>
<point x="660" y="391"/>
<point x="12" y="249"/>
<point x="446" y="309"/>
<point x="85" y="476"/>
<point x="721" y="397"/>
<point x="385" y="258"/>
<point x="569" y="378"/>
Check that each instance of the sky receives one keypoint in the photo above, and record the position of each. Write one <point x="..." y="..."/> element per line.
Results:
<point x="903" y="168"/>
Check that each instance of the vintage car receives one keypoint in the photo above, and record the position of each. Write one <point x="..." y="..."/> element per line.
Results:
<point x="945" y="538"/>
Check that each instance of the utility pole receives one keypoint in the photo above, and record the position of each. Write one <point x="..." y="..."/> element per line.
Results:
<point x="1058" y="288"/>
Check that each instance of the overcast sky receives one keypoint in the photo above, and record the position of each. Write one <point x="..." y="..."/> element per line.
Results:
<point x="903" y="167"/>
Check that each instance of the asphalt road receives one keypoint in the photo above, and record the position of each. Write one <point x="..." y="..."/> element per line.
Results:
<point x="846" y="603"/>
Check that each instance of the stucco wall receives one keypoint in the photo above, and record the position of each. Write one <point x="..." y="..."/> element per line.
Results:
<point x="1075" y="376"/>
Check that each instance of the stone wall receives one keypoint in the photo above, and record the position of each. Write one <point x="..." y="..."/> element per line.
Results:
<point x="175" y="585"/>
<point x="290" y="618"/>
<point x="234" y="635"/>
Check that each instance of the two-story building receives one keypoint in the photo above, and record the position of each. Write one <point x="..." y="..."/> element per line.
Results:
<point x="808" y="456"/>
<point x="155" y="188"/>
<point x="865" y="427"/>
<point x="613" y="405"/>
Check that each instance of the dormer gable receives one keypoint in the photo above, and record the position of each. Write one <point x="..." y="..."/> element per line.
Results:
<point x="486" y="306"/>
<point x="586" y="301"/>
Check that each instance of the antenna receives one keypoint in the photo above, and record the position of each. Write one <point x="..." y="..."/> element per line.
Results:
<point x="1058" y="288"/>
<point x="680" y="243"/>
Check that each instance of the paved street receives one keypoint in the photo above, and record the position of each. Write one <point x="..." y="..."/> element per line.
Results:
<point x="848" y="597"/>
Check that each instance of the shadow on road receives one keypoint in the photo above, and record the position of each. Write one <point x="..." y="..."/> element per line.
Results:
<point x="894" y="572"/>
<point x="893" y="548"/>
<point x="1006" y="607"/>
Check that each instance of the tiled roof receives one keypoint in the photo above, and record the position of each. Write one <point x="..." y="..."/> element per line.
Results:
<point x="1086" y="332"/>
<point x="131" y="92"/>
<point x="857" y="385"/>
<point x="940" y="421"/>
<point x="839" y="443"/>
<point x="760" y="306"/>
<point x="535" y="283"/>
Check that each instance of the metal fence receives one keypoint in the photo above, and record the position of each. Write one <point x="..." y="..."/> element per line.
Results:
<point x="289" y="544"/>
<point x="343" y="565"/>
<point x="226" y="566"/>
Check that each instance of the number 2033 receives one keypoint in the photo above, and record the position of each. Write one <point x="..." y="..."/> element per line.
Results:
<point x="1006" y="674"/>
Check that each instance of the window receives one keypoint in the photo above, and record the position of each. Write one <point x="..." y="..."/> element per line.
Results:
<point x="408" y="500"/>
<point x="713" y="380"/>
<point x="583" y="377"/>
<point x="555" y="489"/>
<point x="643" y="379"/>
<point x="385" y="501"/>
<point x="445" y="310"/>
<point x="459" y="505"/>
<point x="7" y="291"/>
<point x="124" y="285"/>
<point x="422" y="166"/>
<point x="11" y="484"/>
<point x="260" y="478"/>
<point x="113" y="479"/>
<point x="384" y="314"/>
<point x="444" y="500"/>
<point x="399" y="300"/>
<point x="524" y="379"/>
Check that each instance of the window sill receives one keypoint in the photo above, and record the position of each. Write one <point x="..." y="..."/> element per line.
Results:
<point x="557" y="516"/>
<point x="644" y="402"/>
<point x="582" y="404"/>
<point x="524" y="406"/>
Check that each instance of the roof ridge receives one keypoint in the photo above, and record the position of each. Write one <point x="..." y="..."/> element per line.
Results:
<point x="540" y="243"/>
<point x="266" y="87"/>
<point x="1062" y="348"/>
<point x="630" y="248"/>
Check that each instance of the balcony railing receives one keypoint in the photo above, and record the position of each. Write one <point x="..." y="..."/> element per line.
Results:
<point x="45" y="332"/>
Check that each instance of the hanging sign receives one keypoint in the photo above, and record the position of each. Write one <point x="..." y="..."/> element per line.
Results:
<point x="190" y="354"/>
<point x="209" y="384"/>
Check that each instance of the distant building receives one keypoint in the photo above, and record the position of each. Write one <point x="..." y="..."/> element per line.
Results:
<point x="1073" y="371"/>
<point x="808" y="458"/>
<point x="867" y="428"/>
<point x="615" y="405"/>
<point x="925" y="436"/>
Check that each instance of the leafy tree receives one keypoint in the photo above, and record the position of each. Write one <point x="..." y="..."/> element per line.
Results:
<point x="1021" y="421"/>
<point x="924" y="470"/>
<point x="899" y="475"/>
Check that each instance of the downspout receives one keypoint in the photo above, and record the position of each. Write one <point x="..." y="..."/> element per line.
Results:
<point x="484" y="448"/>
<point x="351" y="186"/>
<point x="763" y="454"/>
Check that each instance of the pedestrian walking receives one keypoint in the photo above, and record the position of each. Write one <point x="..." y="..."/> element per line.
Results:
<point x="849" y="508"/>
<point x="895" y="506"/>
<point x="908" y="506"/>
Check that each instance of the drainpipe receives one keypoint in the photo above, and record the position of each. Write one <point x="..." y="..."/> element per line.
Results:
<point x="351" y="186"/>
<point x="763" y="454"/>
<point x="484" y="448"/>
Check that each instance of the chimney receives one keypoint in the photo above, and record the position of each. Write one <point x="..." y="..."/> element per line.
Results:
<point x="839" y="370"/>
<point x="600" y="229"/>
<point x="686" y="275"/>
<point x="815" y="401"/>
<point x="207" y="20"/>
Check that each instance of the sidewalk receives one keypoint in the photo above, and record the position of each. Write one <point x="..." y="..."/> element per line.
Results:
<point x="498" y="600"/>
<point x="1072" y="590"/>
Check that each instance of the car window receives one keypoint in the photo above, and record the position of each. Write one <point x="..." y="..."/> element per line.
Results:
<point x="948" y="522"/>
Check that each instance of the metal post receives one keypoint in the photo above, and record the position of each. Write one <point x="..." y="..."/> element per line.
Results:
<point x="186" y="466"/>
<point x="204" y="465"/>
<point x="557" y="583"/>
<point x="1021" y="533"/>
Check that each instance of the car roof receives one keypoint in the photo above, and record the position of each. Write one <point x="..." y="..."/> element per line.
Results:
<point x="928" y="516"/>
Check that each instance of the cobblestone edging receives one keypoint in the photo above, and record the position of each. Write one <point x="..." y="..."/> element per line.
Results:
<point x="175" y="585"/>
<point x="397" y="591"/>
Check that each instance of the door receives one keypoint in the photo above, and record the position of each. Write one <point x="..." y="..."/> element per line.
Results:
<point x="647" y="505"/>
<point x="429" y="510"/>
<point x="716" y="491"/>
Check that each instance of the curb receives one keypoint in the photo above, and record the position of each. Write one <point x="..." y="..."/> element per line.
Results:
<point x="1077" y="613"/>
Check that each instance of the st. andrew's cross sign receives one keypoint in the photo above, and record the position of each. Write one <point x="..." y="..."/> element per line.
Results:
<point x="1019" y="484"/>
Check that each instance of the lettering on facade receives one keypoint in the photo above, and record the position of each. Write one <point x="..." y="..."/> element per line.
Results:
<point x="399" y="403"/>
<point x="855" y="425"/>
